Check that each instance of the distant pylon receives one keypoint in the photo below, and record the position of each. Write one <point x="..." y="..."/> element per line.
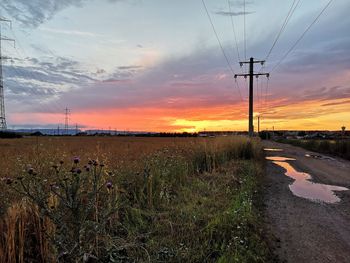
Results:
<point x="3" y="125"/>
<point x="66" y="120"/>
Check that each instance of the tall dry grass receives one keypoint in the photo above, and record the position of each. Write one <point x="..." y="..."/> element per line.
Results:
<point x="151" y="178"/>
<point x="24" y="235"/>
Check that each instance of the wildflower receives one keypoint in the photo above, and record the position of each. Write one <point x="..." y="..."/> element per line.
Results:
<point x="102" y="165"/>
<point x="7" y="180"/>
<point x="95" y="163"/>
<point x="61" y="162"/>
<point x="109" y="185"/>
<point x="55" y="166"/>
<point x="78" y="171"/>
<point x="76" y="159"/>
<point x="87" y="168"/>
<point x="30" y="171"/>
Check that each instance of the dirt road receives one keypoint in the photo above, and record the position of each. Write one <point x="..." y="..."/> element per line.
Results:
<point x="306" y="230"/>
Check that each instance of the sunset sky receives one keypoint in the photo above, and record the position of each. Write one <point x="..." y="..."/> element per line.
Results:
<point x="156" y="65"/>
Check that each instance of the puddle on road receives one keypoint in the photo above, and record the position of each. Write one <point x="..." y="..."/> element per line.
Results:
<point x="303" y="187"/>
<point x="273" y="150"/>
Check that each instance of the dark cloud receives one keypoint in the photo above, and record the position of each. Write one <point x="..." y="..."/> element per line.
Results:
<point x="129" y="67"/>
<point x="181" y="82"/>
<point x="38" y="83"/>
<point x="336" y="103"/>
<point x="228" y="13"/>
<point x="324" y="47"/>
<point x="326" y="93"/>
<point x="34" y="84"/>
<point x="32" y="13"/>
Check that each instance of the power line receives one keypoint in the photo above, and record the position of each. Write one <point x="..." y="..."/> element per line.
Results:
<point x="266" y="89"/>
<point x="234" y="31"/>
<point x="221" y="47"/>
<point x="258" y="95"/>
<point x="302" y="35"/>
<point x="235" y="38"/>
<point x="245" y="39"/>
<point x="284" y="25"/>
<point x="266" y="92"/>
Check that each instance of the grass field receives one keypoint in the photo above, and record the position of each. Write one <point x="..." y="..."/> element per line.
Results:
<point x="88" y="199"/>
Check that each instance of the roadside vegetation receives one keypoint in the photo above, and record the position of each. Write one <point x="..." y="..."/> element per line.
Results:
<point x="339" y="148"/>
<point x="128" y="200"/>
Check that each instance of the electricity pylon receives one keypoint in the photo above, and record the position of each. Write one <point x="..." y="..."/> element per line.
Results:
<point x="3" y="125"/>
<point x="66" y="120"/>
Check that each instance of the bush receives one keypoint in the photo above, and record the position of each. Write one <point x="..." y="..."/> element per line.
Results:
<point x="9" y="135"/>
<point x="339" y="148"/>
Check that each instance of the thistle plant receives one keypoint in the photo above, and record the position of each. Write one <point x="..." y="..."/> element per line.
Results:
<point x="80" y="201"/>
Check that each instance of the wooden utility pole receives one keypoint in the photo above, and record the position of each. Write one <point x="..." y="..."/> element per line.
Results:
<point x="251" y="74"/>
<point x="259" y="124"/>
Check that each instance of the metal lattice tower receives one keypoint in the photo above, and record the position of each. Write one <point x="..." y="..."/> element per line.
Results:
<point x="3" y="125"/>
<point x="66" y="120"/>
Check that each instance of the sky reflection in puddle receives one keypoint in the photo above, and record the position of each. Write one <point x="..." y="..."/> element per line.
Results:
<point x="303" y="187"/>
<point x="273" y="150"/>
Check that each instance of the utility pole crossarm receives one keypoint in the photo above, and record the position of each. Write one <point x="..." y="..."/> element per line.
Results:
<point x="262" y="62"/>
<point x="254" y="74"/>
<point x="7" y="39"/>
<point x="2" y="19"/>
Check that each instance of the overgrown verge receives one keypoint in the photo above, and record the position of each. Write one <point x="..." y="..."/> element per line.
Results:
<point x="188" y="204"/>
<point x="339" y="148"/>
